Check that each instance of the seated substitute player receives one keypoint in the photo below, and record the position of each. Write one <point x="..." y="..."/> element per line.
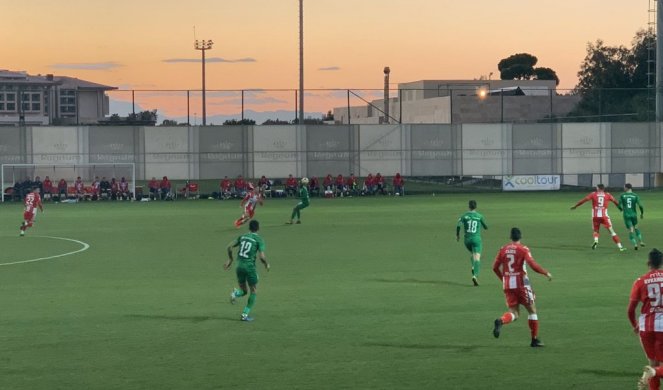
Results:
<point x="628" y="202"/>
<point x="647" y="290"/>
<point x="303" y="203"/>
<point x="250" y="201"/>
<point x="509" y="266"/>
<point x="32" y="202"/>
<point x="291" y="186"/>
<point x="472" y="222"/>
<point x="250" y="246"/>
<point x="600" y="216"/>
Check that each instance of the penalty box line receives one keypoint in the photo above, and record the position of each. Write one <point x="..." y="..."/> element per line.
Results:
<point x="85" y="246"/>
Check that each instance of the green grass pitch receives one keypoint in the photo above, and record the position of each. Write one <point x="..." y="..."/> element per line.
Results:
<point x="365" y="294"/>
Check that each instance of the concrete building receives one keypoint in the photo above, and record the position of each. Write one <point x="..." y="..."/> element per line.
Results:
<point x="49" y="99"/>
<point x="464" y="101"/>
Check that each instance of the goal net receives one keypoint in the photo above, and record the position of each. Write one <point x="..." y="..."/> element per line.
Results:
<point x="20" y="173"/>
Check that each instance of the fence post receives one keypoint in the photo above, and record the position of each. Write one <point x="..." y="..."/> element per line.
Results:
<point x="349" y="122"/>
<point x="242" y="106"/>
<point x="188" y="108"/>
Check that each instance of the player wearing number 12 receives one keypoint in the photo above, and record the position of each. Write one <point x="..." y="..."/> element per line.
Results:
<point x="250" y="246"/>
<point x="628" y="202"/>
<point x="600" y="216"/>
<point x="472" y="222"/>
<point x="647" y="290"/>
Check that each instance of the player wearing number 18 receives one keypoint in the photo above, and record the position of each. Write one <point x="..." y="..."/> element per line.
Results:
<point x="250" y="246"/>
<point x="472" y="222"/>
<point x="628" y="202"/>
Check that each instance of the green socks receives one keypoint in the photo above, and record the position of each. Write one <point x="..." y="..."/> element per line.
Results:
<point x="249" y="304"/>
<point x="638" y="234"/>
<point x="631" y="238"/>
<point x="238" y="293"/>
<point x="476" y="267"/>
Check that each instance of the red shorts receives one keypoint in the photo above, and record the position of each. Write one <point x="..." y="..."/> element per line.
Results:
<point x="598" y="221"/>
<point x="249" y="211"/>
<point x="28" y="216"/>
<point x="519" y="296"/>
<point x="652" y="343"/>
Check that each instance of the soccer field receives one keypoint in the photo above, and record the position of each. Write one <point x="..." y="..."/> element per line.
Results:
<point x="365" y="294"/>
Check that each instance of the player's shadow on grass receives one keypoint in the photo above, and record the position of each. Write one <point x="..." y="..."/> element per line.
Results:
<point x="193" y="319"/>
<point x="446" y="347"/>
<point x="564" y="247"/>
<point x="441" y="347"/>
<point x="608" y="373"/>
<point x="421" y="281"/>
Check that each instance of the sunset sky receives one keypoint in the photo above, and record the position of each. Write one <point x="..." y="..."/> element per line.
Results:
<point x="148" y="44"/>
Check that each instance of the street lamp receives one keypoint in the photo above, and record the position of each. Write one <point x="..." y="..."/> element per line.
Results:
<point x="203" y="45"/>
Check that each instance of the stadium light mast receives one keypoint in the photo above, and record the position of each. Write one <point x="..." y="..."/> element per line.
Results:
<point x="301" y="62"/>
<point x="203" y="46"/>
<point x="659" y="61"/>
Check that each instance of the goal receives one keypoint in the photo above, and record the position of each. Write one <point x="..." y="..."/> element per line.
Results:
<point x="13" y="173"/>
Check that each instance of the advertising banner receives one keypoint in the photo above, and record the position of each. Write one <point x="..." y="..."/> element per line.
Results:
<point x="531" y="183"/>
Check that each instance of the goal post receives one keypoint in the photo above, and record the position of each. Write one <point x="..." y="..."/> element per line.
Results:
<point x="13" y="173"/>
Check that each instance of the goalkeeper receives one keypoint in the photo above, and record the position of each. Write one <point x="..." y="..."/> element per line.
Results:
<point x="303" y="203"/>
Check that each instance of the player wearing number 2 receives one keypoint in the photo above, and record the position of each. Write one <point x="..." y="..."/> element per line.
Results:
<point x="628" y="202"/>
<point x="472" y="222"/>
<point x="510" y="266"/>
<point x="600" y="216"/>
<point x="250" y="246"/>
<point x="647" y="290"/>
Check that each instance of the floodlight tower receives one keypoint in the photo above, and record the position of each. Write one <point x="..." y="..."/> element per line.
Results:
<point x="386" y="94"/>
<point x="203" y="46"/>
<point x="301" y="62"/>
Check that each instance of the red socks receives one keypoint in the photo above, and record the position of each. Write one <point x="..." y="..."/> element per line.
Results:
<point x="507" y="317"/>
<point x="533" y="327"/>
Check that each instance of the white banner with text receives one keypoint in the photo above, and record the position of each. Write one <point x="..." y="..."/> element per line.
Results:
<point x="531" y="183"/>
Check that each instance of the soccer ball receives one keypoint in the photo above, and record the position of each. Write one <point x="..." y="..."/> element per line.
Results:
<point x="304" y="180"/>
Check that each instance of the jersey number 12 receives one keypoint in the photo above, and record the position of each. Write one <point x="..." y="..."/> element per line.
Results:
<point x="244" y="249"/>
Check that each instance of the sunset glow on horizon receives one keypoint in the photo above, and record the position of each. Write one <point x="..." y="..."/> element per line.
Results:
<point x="148" y="45"/>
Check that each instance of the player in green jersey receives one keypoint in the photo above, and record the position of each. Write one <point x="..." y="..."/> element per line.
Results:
<point x="250" y="246"/>
<point x="303" y="203"/>
<point x="471" y="222"/>
<point x="628" y="202"/>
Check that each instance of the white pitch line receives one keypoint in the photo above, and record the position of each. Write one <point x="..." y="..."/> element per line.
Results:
<point x="84" y="245"/>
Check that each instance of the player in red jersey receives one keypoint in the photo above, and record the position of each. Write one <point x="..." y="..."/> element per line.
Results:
<point x="511" y="267"/>
<point x="647" y="290"/>
<point x="600" y="216"/>
<point x="32" y="202"/>
<point x="250" y="202"/>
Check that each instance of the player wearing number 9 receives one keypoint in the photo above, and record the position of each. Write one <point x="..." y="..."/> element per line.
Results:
<point x="509" y="266"/>
<point x="647" y="290"/>
<point x="600" y="200"/>
<point x="250" y="246"/>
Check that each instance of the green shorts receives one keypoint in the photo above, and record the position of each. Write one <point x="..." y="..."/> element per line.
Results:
<point x="630" y="221"/>
<point x="302" y="205"/>
<point x="473" y="245"/>
<point x="247" y="273"/>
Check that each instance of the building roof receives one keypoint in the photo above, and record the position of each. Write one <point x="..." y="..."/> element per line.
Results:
<point x="74" y="83"/>
<point x="22" y="78"/>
